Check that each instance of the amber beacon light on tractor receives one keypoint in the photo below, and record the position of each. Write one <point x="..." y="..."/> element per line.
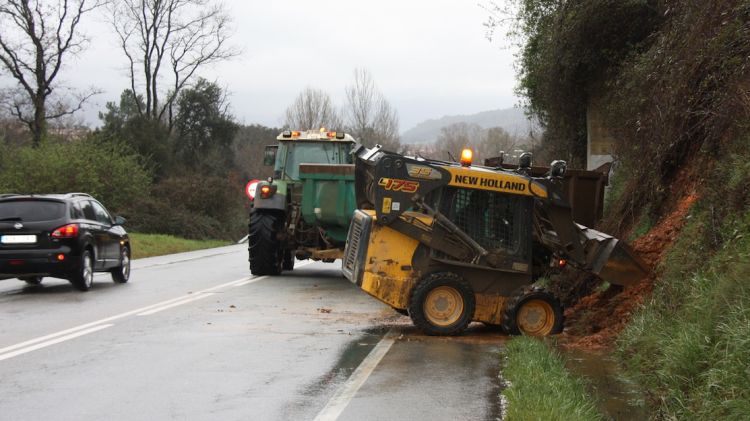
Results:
<point x="450" y="243"/>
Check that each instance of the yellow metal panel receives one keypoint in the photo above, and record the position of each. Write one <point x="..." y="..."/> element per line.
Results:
<point x="388" y="274"/>
<point x="477" y="178"/>
<point x="489" y="308"/>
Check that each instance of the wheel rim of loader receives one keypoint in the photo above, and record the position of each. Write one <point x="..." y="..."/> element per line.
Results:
<point x="443" y="306"/>
<point x="536" y="318"/>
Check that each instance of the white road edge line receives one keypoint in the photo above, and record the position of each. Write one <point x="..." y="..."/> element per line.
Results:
<point x="52" y="342"/>
<point x="117" y="316"/>
<point x="346" y="392"/>
<point x="178" y="303"/>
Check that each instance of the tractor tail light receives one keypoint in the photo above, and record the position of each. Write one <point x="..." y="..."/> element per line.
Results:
<point x="267" y="191"/>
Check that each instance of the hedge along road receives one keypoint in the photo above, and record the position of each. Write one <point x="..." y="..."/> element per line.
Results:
<point x="194" y="336"/>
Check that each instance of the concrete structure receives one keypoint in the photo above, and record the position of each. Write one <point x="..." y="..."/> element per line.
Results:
<point x="599" y="144"/>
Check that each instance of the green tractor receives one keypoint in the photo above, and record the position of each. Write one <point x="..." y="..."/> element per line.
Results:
<point x="304" y="209"/>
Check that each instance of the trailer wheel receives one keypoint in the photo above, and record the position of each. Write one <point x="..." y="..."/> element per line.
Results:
<point x="533" y="311"/>
<point x="265" y="252"/>
<point x="288" y="263"/>
<point x="442" y="304"/>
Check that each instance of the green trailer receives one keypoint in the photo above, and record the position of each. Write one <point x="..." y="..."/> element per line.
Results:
<point x="304" y="210"/>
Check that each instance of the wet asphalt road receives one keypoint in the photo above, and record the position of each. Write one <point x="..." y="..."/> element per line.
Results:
<point x="194" y="337"/>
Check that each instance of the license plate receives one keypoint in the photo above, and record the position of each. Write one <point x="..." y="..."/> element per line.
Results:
<point x="18" y="239"/>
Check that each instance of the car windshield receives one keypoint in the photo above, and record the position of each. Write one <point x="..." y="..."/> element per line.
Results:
<point x="31" y="210"/>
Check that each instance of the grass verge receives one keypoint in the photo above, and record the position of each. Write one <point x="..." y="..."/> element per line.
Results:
<point x="147" y="245"/>
<point x="540" y="386"/>
<point x="690" y="345"/>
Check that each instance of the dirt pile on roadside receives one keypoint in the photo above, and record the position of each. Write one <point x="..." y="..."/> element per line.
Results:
<point x="595" y="320"/>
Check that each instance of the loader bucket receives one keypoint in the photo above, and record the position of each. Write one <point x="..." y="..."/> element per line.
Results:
<point x="612" y="259"/>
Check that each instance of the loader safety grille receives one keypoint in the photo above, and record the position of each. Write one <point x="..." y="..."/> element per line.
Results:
<point x="499" y="222"/>
<point x="356" y="246"/>
<point x="355" y="234"/>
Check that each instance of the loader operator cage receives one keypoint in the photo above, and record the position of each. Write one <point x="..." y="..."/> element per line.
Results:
<point x="499" y="222"/>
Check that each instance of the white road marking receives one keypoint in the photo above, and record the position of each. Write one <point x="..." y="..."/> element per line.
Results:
<point x="86" y="328"/>
<point x="251" y="280"/>
<point x="346" y="392"/>
<point x="116" y="317"/>
<point x="178" y="303"/>
<point x="41" y="345"/>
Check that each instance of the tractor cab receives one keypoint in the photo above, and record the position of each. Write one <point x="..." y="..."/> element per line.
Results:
<point x="307" y="147"/>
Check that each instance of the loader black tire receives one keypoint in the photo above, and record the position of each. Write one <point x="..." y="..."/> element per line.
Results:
<point x="288" y="263"/>
<point x="264" y="249"/>
<point x="538" y="311"/>
<point x="442" y="304"/>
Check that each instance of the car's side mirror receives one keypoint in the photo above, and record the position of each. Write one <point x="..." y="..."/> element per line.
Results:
<point x="119" y="220"/>
<point x="269" y="155"/>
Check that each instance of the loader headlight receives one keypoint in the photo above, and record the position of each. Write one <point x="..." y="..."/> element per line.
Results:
<point x="557" y="168"/>
<point x="524" y="161"/>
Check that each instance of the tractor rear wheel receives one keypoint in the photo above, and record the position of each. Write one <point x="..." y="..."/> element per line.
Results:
<point x="533" y="311"/>
<point x="442" y="304"/>
<point x="265" y="251"/>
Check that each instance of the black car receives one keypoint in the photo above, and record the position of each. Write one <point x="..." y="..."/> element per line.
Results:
<point x="67" y="236"/>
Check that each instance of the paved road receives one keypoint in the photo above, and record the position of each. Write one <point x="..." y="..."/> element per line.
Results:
<point x="194" y="337"/>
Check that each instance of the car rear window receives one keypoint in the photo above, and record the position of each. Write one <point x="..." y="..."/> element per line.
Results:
<point x="31" y="210"/>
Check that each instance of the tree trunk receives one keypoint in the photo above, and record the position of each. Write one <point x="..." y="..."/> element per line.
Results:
<point x="39" y="125"/>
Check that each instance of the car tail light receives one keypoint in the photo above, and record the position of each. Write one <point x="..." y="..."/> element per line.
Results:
<point x="66" y="231"/>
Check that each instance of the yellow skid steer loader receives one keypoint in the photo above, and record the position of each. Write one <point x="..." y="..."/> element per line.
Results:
<point x="449" y="243"/>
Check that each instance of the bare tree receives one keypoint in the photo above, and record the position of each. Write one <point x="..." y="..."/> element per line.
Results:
<point x="165" y="43"/>
<point x="493" y="141"/>
<point x="35" y="38"/>
<point x="455" y="137"/>
<point x="312" y="109"/>
<point x="370" y="117"/>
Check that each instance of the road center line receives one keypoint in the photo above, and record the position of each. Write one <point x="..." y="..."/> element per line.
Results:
<point x="118" y="316"/>
<point x="195" y="297"/>
<point x="52" y="342"/>
<point x="256" y="279"/>
<point x="346" y="392"/>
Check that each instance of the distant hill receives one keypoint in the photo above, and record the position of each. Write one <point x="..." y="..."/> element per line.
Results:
<point x="511" y="119"/>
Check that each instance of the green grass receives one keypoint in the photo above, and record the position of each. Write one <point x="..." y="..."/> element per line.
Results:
<point x="690" y="345"/>
<point x="540" y="386"/>
<point x="147" y="245"/>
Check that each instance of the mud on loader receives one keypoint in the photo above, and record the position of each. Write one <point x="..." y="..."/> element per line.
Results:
<point x="450" y="243"/>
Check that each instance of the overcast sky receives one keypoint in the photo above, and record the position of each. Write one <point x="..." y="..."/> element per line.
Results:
<point x="429" y="57"/>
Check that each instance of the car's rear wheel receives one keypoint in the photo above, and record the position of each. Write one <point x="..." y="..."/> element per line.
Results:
<point x="83" y="278"/>
<point x="121" y="274"/>
<point x="32" y="280"/>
